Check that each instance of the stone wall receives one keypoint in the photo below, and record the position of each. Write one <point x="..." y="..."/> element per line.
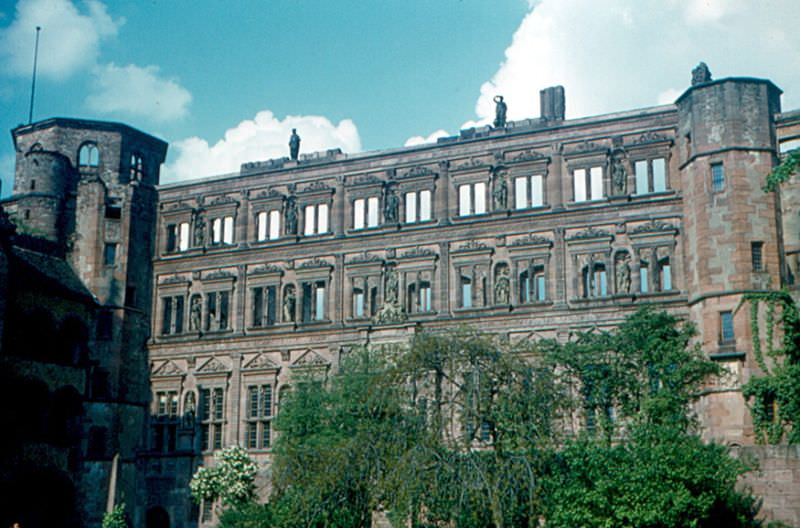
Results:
<point x="777" y="480"/>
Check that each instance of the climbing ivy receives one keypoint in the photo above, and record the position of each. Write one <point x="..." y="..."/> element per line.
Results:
<point x="774" y="397"/>
<point x="783" y="172"/>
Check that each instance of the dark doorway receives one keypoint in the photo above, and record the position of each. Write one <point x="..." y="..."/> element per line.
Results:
<point x="157" y="517"/>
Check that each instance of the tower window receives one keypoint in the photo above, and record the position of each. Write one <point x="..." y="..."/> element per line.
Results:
<point x="756" y="255"/>
<point x="137" y="167"/>
<point x="110" y="254"/>
<point x="717" y="177"/>
<point x="726" y="327"/>
<point x="88" y="155"/>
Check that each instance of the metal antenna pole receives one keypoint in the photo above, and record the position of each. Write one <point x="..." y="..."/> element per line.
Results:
<point x="33" y="80"/>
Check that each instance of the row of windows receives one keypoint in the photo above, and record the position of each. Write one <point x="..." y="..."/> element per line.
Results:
<point x="89" y="158"/>
<point x="211" y="418"/>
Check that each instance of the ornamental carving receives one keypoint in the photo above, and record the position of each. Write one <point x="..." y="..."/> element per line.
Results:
<point x="654" y="226"/>
<point x="219" y="274"/>
<point x="310" y="359"/>
<point x="472" y="245"/>
<point x="168" y="368"/>
<point x="265" y="269"/>
<point x="175" y="206"/>
<point x="271" y="164"/>
<point x="260" y="362"/>
<point x="363" y="258"/>
<point x="586" y="146"/>
<point x="174" y="280"/>
<point x="366" y="179"/>
<point x="532" y="240"/>
<point x="316" y="263"/>
<point x="223" y="200"/>
<point x="650" y="137"/>
<point x="316" y="187"/>
<point x="418" y="252"/>
<point x="525" y="155"/>
<point x="271" y="193"/>
<point x="472" y="163"/>
<point x="590" y="233"/>
<point x="212" y="366"/>
<point x="417" y="171"/>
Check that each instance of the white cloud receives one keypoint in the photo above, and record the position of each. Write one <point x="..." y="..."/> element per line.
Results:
<point x="624" y="54"/>
<point x="420" y="140"/>
<point x="69" y="40"/>
<point x="261" y="138"/>
<point x="137" y="91"/>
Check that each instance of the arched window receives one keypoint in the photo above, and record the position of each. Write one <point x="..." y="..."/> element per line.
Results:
<point x="137" y="167"/>
<point x="88" y="155"/>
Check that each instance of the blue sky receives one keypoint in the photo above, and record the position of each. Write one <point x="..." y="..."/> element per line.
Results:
<point x="224" y="82"/>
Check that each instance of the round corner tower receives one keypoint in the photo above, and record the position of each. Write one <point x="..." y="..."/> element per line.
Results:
<point x="727" y="147"/>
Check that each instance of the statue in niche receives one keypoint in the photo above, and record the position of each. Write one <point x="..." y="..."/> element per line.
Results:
<point x="294" y="145"/>
<point x="289" y="303"/>
<point x="199" y="230"/>
<point x="195" y="313"/>
<point x="391" y="204"/>
<point x="499" y="190"/>
<point x="623" y="274"/>
<point x="189" y="410"/>
<point x="391" y="286"/>
<point x="619" y="176"/>
<point x="701" y="74"/>
<point x="290" y="214"/>
<point x="502" y="285"/>
<point x="500" y="110"/>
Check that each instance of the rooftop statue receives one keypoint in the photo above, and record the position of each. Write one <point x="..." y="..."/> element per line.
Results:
<point x="701" y="74"/>
<point x="499" y="111"/>
<point x="294" y="145"/>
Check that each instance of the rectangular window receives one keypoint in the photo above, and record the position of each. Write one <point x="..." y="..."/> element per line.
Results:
<point x="322" y="218"/>
<point x="217" y="310"/>
<point x="172" y="237"/>
<point x="258" y="307"/>
<point x="372" y="212"/>
<point x="358" y="302"/>
<point x="659" y="175"/>
<point x="642" y="179"/>
<point x="644" y="285"/>
<point x="261" y="226"/>
<point x="756" y="255"/>
<point x="411" y="207"/>
<point x="466" y="292"/>
<point x="425" y="297"/>
<point x="272" y="302"/>
<point x="579" y="184"/>
<point x="717" y="177"/>
<point x="541" y="293"/>
<point x="666" y="276"/>
<point x="319" y="296"/>
<point x="596" y="182"/>
<point x="216" y="231"/>
<point x="464" y="200"/>
<point x="227" y="230"/>
<point x="521" y="192"/>
<point x="310" y="220"/>
<point x="726" y="327"/>
<point x="183" y="236"/>
<point x="212" y="417"/>
<point x="274" y="224"/>
<point x="259" y="413"/>
<point x="110" y="254"/>
<point x="166" y="316"/>
<point x="480" y="198"/>
<point x="424" y="206"/>
<point x="472" y="199"/>
<point x="358" y="214"/>
<point x="537" y="190"/>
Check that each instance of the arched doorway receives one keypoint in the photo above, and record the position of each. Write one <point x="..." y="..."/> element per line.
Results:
<point x="157" y="517"/>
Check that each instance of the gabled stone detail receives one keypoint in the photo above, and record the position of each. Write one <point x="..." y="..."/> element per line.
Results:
<point x="212" y="366"/>
<point x="261" y="362"/>
<point x="309" y="358"/>
<point x="168" y="368"/>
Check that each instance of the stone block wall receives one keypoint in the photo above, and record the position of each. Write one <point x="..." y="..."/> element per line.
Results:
<point x="776" y="479"/>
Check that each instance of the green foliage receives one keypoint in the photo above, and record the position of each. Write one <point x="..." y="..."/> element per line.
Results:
<point x="783" y="172"/>
<point x="116" y="517"/>
<point x="231" y="479"/>
<point x="774" y="396"/>
<point x="467" y="430"/>
<point x="658" y="479"/>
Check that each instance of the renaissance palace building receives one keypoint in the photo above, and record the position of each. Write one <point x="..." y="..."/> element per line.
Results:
<point x="200" y="301"/>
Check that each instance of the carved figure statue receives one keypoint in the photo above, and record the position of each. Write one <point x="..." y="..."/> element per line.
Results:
<point x="500" y="109"/>
<point x="294" y="145"/>
<point x="391" y="204"/>
<point x="195" y="313"/>
<point x="502" y="286"/>
<point x="623" y="274"/>
<point x="290" y="215"/>
<point x="701" y="74"/>
<point x="189" y="409"/>
<point x="500" y="191"/>
<point x="199" y="230"/>
<point x="390" y="296"/>
<point x="619" y="176"/>
<point x="289" y="303"/>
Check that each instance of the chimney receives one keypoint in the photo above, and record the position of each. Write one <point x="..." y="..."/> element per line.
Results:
<point x="552" y="103"/>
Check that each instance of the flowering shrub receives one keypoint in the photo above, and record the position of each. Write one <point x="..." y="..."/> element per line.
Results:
<point x="231" y="478"/>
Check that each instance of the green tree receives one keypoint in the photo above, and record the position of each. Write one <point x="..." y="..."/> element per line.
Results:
<point x="115" y="518"/>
